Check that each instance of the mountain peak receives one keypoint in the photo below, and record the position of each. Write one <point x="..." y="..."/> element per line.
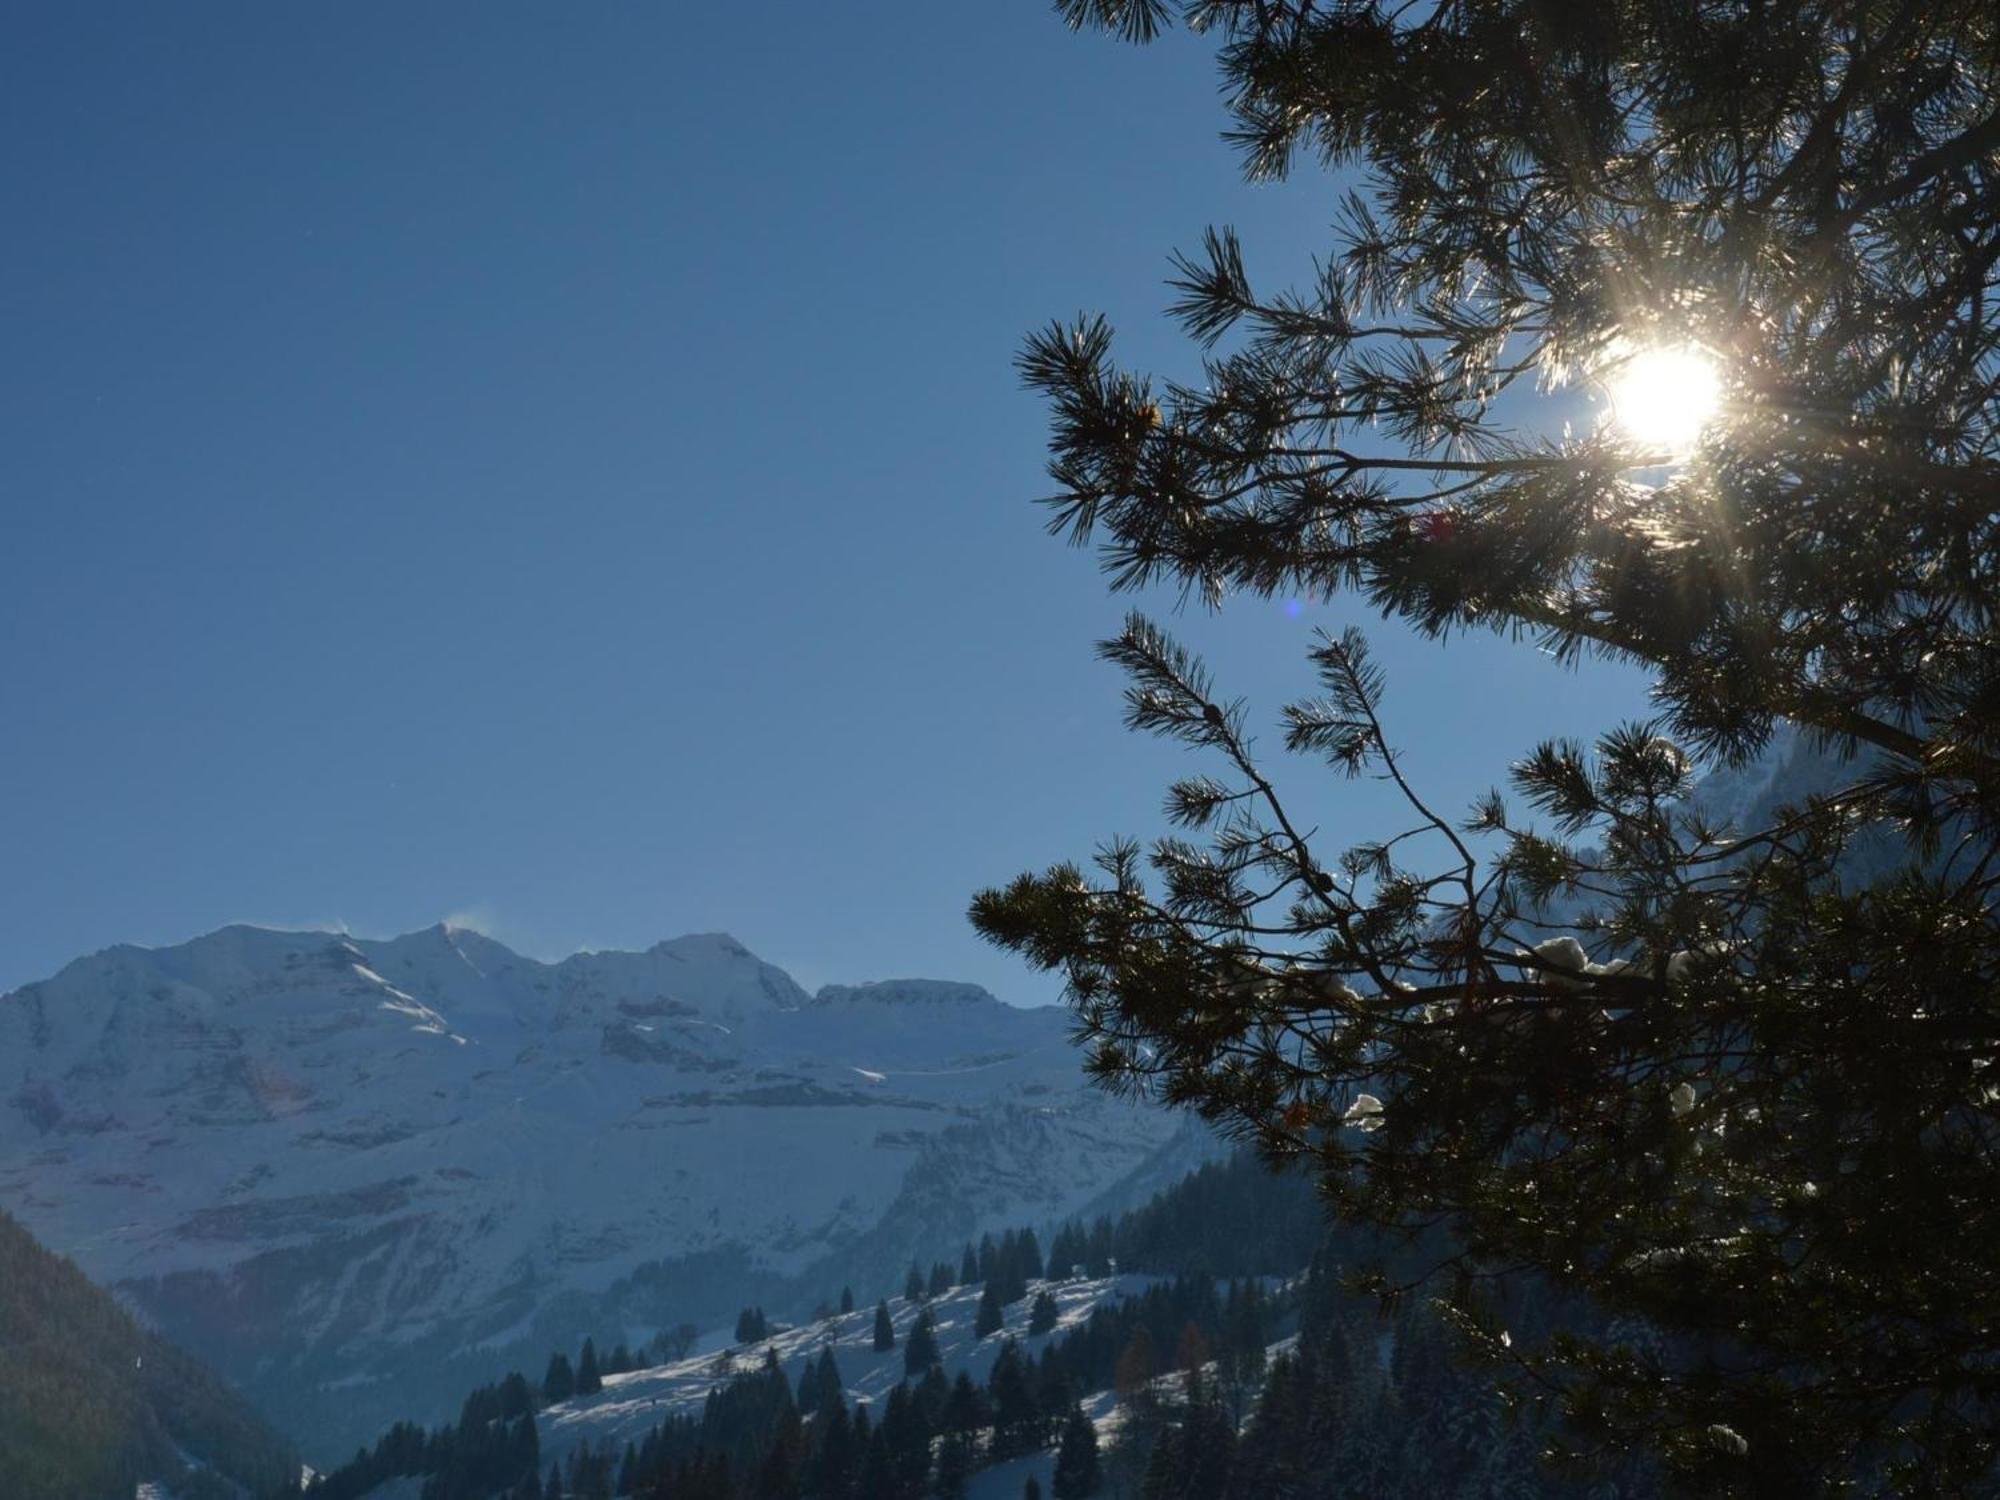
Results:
<point x="706" y="944"/>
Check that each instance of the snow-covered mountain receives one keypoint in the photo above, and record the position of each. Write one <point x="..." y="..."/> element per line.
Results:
<point x="361" y="1176"/>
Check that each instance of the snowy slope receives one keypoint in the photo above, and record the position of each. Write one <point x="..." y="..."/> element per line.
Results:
<point x="363" y="1175"/>
<point x="631" y="1404"/>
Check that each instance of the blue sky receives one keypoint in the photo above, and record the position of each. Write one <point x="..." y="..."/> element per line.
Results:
<point x="561" y="468"/>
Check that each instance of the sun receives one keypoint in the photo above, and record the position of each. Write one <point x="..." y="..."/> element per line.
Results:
<point x="1664" y="397"/>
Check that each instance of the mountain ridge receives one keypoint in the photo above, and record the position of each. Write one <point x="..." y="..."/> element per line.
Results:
<point x="324" y="1161"/>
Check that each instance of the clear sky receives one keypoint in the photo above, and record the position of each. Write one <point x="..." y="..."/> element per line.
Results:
<point x="560" y="467"/>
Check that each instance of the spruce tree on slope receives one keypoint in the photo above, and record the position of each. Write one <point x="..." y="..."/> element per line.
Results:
<point x="956" y="1462"/>
<point x="1745" y="1097"/>
<point x="920" y="1349"/>
<point x="990" y="1317"/>
<point x="885" y="1331"/>
<point x="559" y="1383"/>
<point x="1076" y="1472"/>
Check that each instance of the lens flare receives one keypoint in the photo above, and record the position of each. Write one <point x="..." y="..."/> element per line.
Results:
<point x="1663" y="398"/>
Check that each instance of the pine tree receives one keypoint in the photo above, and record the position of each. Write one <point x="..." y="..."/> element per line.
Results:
<point x="968" y="1268"/>
<point x="878" y="1467"/>
<point x="956" y="1462"/>
<point x="1076" y="1473"/>
<point x="1030" y="1254"/>
<point x="940" y="1281"/>
<point x="1137" y="1365"/>
<point x="1164" y="1468"/>
<point x="913" y="1284"/>
<point x="589" y="1380"/>
<point x="1209" y="1446"/>
<point x="920" y="1349"/>
<point x="559" y="1383"/>
<point x="1065" y="1252"/>
<point x="828" y="1389"/>
<point x="885" y="1330"/>
<point x="990" y="1318"/>
<point x="1098" y="1256"/>
<point x="1017" y="1416"/>
<point x="847" y="1299"/>
<point x="965" y="1410"/>
<point x="1042" y="1313"/>
<point x="830" y="1463"/>
<point x="1648" y="1051"/>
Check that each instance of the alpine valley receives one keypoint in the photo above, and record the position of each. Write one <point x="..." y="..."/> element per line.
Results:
<point x="359" y="1177"/>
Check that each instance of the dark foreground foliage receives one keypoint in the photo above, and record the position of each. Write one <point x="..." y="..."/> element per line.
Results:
<point x="1731" y="1083"/>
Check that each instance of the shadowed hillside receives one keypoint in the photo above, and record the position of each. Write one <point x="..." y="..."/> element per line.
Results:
<point x="91" y="1404"/>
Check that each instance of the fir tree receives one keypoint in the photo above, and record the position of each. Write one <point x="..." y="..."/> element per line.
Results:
<point x="589" y="1379"/>
<point x="968" y="1268"/>
<point x="878" y="1467"/>
<point x="956" y="1461"/>
<point x="1076" y="1473"/>
<point x="965" y="1410"/>
<point x="1137" y="1366"/>
<point x="913" y="1284"/>
<point x="1017" y="1416"/>
<point x="1164" y="1468"/>
<point x="940" y="1281"/>
<point x="920" y="1349"/>
<point x="885" y="1330"/>
<point x="1042" y="1313"/>
<point x="1029" y="1255"/>
<point x="559" y="1383"/>
<point x="830" y="1464"/>
<point x="828" y="1390"/>
<point x="847" y="1299"/>
<point x="990" y="1318"/>
<point x="1097" y="1250"/>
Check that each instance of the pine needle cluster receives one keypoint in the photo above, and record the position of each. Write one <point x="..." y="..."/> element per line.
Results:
<point x="1735" y="1084"/>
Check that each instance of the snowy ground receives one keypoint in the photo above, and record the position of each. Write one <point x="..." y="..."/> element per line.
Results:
<point x="631" y="1404"/>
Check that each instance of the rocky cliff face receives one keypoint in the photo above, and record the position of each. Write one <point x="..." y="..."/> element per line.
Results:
<point x="353" y="1173"/>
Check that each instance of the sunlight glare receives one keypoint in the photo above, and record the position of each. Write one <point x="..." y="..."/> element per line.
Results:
<point x="1665" y="397"/>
